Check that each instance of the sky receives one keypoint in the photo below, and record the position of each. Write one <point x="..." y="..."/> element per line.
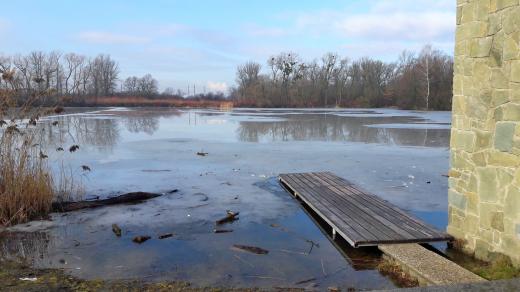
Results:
<point x="184" y="43"/>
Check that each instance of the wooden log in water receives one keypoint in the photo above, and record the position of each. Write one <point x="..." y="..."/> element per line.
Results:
<point x="134" y="197"/>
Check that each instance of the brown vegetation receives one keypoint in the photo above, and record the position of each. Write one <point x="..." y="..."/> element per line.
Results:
<point x="27" y="186"/>
<point x="158" y="102"/>
<point x="392" y="270"/>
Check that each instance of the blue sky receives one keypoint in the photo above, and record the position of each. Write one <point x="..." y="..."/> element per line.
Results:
<point x="202" y="42"/>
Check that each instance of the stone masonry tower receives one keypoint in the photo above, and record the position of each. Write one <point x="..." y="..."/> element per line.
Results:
<point x="484" y="183"/>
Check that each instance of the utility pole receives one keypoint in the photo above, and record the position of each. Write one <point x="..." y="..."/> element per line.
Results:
<point x="194" y="92"/>
<point x="188" y="90"/>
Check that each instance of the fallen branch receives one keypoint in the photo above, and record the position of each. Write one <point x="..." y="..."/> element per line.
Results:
<point x="230" y="217"/>
<point x="135" y="197"/>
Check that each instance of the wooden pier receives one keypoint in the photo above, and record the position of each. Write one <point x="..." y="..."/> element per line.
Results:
<point x="361" y="218"/>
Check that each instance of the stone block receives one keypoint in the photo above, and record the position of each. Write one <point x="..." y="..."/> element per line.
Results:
<point x="487" y="186"/>
<point x="499" y="79"/>
<point x="500" y="96"/>
<point x="482" y="12"/>
<point x="497" y="221"/>
<point x="457" y="200"/>
<point x="483" y="140"/>
<point x="472" y="205"/>
<point x="495" y="24"/>
<point x="504" y="177"/>
<point x="511" y="49"/>
<point x="504" y="133"/>
<point x="510" y="20"/>
<point x="481" y="47"/>
<point x="501" y="4"/>
<point x="463" y="140"/>
<point x="503" y="159"/>
<point x="508" y="112"/>
<point x="512" y="203"/>
<point x="515" y="71"/>
<point x="515" y="92"/>
<point x="469" y="13"/>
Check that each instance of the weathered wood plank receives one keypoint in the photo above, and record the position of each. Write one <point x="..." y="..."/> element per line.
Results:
<point x="358" y="216"/>
<point x="341" y="220"/>
<point x="392" y="211"/>
<point x="395" y="219"/>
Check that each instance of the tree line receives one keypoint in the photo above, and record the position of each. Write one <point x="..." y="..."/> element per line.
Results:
<point x="414" y="81"/>
<point x="71" y="77"/>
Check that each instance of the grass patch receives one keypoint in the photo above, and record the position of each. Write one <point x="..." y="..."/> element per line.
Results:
<point x="396" y="274"/>
<point x="498" y="269"/>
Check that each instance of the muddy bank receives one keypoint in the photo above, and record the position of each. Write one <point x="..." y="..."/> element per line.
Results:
<point x="20" y="277"/>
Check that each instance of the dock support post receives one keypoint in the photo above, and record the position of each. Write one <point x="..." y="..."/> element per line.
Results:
<point x="333" y="233"/>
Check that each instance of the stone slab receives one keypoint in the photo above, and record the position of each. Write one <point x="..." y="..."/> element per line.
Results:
<point x="427" y="266"/>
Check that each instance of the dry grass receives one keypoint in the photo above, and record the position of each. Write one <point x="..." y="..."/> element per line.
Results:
<point x="26" y="186"/>
<point x="170" y="102"/>
<point x="392" y="270"/>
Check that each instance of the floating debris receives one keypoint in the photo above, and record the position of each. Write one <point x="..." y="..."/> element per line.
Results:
<point x="202" y="153"/>
<point x="251" y="249"/>
<point x="30" y="279"/>
<point x="85" y="168"/>
<point x="60" y="149"/>
<point x="167" y="235"/>
<point x="172" y="191"/>
<point x="230" y="217"/>
<point x="135" y="197"/>
<point x="305" y="281"/>
<point x="156" y="170"/>
<point x="222" y="230"/>
<point x="140" y="239"/>
<point x="74" y="148"/>
<point x="116" y="230"/>
<point x="55" y="123"/>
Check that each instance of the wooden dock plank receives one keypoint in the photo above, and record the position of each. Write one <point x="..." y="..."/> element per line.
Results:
<point x="384" y="209"/>
<point x="393" y="211"/>
<point x="361" y="218"/>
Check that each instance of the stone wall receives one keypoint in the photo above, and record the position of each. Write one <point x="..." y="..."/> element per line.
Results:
<point x="484" y="192"/>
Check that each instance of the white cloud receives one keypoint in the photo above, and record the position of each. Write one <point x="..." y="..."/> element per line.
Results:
<point x="100" y="37"/>
<point x="217" y="86"/>
<point x="390" y="20"/>
<point x="418" y="26"/>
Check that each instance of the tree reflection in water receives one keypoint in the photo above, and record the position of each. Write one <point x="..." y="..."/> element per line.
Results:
<point x="327" y="127"/>
<point x="102" y="130"/>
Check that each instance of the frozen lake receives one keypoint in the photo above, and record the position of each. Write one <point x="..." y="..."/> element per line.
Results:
<point x="398" y="155"/>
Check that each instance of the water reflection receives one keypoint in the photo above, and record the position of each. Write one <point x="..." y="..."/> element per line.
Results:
<point x="328" y="127"/>
<point x="103" y="129"/>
